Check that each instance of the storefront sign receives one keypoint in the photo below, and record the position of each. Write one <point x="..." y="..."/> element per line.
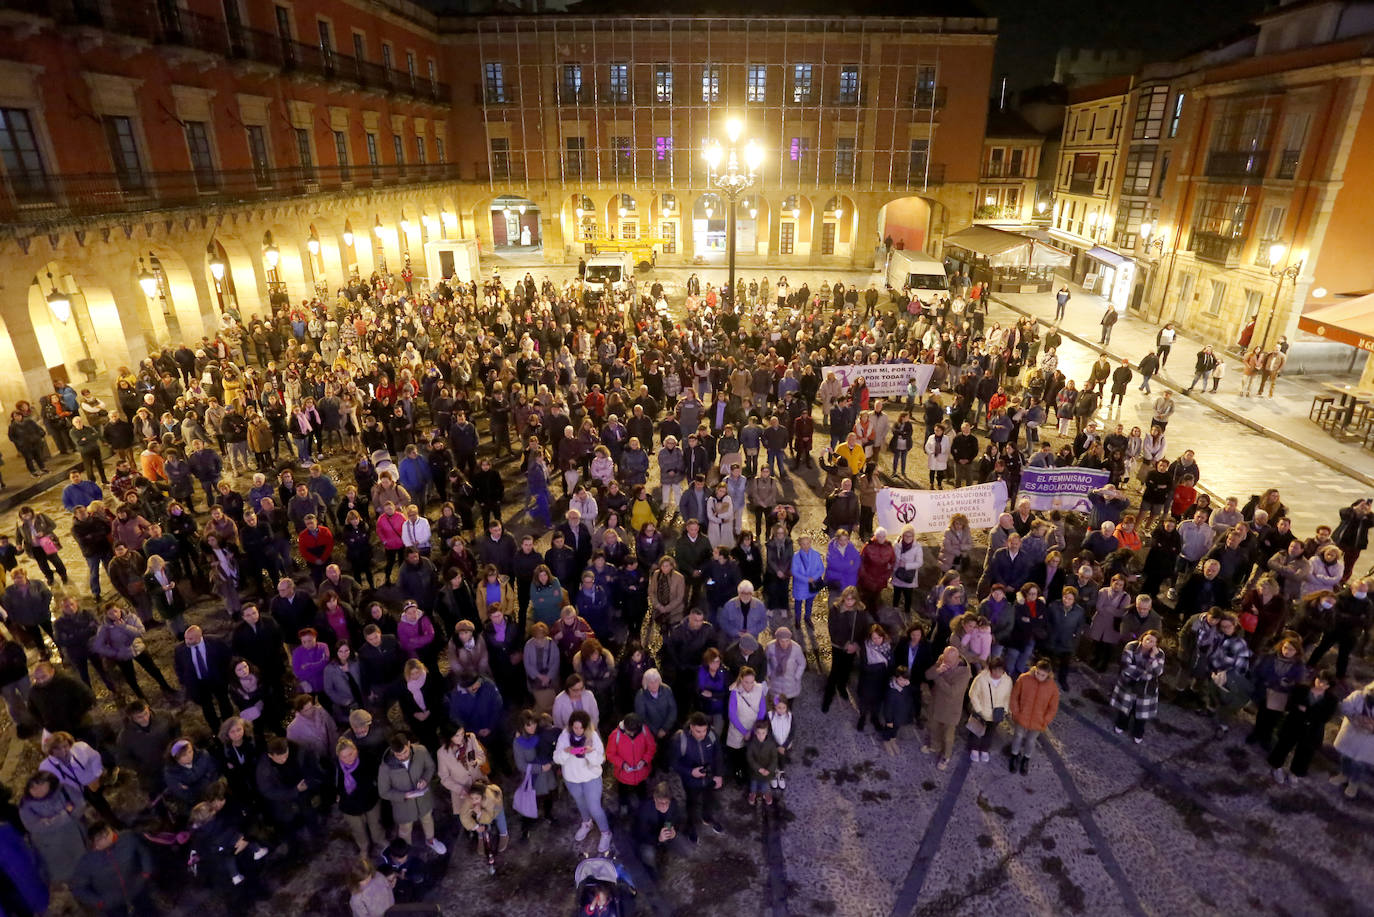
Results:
<point x="884" y="380"/>
<point x="929" y="510"/>
<point x="1061" y="488"/>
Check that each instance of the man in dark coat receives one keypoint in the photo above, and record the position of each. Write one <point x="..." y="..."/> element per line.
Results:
<point x="202" y="667"/>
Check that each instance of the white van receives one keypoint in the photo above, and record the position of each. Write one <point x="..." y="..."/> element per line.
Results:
<point x="612" y="270"/>
<point x="923" y="275"/>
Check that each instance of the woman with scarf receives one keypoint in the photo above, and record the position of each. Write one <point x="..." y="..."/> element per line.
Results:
<point x="462" y="761"/>
<point x="422" y="701"/>
<point x="875" y="665"/>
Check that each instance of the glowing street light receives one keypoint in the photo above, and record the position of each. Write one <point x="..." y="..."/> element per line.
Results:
<point x="147" y="280"/>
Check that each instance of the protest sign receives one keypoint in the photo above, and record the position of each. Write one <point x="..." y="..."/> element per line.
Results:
<point x="1061" y="488"/>
<point x="929" y="510"/>
<point x="884" y="380"/>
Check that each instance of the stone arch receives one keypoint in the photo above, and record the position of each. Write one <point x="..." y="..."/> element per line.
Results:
<point x="448" y="218"/>
<point x="907" y="220"/>
<point x="177" y="299"/>
<point x="356" y="243"/>
<point x="292" y="274"/>
<point x="246" y="288"/>
<point x="92" y="335"/>
<point x="795" y="221"/>
<point x="386" y="237"/>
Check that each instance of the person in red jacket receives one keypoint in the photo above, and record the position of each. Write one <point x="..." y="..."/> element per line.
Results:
<point x="316" y="544"/>
<point x="630" y="749"/>
<point x="877" y="562"/>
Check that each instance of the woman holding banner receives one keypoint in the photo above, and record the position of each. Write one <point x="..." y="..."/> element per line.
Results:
<point x="937" y="455"/>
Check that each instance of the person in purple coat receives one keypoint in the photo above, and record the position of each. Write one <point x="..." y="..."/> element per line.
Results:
<point x="841" y="562"/>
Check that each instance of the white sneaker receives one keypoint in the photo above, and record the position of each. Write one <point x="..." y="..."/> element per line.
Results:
<point x="582" y="831"/>
<point x="973" y="756"/>
<point x="1280" y="776"/>
<point x="984" y="757"/>
<point x="237" y="880"/>
<point x="604" y="844"/>
<point x="437" y="846"/>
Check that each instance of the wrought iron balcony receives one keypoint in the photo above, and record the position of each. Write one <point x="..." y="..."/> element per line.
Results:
<point x="56" y="197"/>
<point x="1242" y="165"/>
<point x="919" y="175"/>
<point x="1216" y="248"/>
<point x="928" y="97"/>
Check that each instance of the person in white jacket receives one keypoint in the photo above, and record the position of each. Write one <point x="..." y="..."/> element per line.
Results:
<point x="786" y="664"/>
<point x="581" y="756"/>
<point x="937" y="454"/>
<point x="720" y="518"/>
<point x="989" y="696"/>
<point x="910" y="558"/>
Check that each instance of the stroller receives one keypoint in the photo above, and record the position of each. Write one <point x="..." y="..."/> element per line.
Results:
<point x="603" y="874"/>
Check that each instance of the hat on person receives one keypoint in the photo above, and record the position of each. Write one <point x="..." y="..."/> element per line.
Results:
<point x="782" y="633"/>
<point x="748" y="643"/>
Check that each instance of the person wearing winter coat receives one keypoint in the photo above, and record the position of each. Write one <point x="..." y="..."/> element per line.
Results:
<point x="957" y="543"/>
<point x="808" y="576"/>
<point x="113" y="876"/>
<point x="1034" y="703"/>
<point x="1275" y="677"/>
<point x="120" y="639"/>
<point x="720" y="518"/>
<point x="949" y="681"/>
<point x="1065" y="626"/>
<point x="743" y="614"/>
<point x="908" y="558"/>
<point x="848" y="627"/>
<point x="1135" y="698"/>
<point x="786" y="664"/>
<point x="1104" y="632"/>
<point x="483" y="808"/>
<point x="370" y="894"/>
<point x="898" y="707"/>
<point x="51" y="813"/>
<point x="989" y="694"/>
<point x="630" y="749"/>
<point x="355" y="786"/>
<point x="1303" y="730"/>
<point x="405" y="780"/>
<point x="938" y="446"/>
<point x="877" y="563"/>
<point x="21" y="869"/>
<point x="875" y="664"/>
<point x="581" y="755"/>
<point x="761" y="761"/>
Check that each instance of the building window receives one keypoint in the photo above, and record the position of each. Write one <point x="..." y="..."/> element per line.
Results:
<point x="1140" y="166"/>
<point x="849" y="84"/>
<point x="844" y="159"/>
<point x="828" y="239"/>
<point x="359" y="44"/>
<point x="756" y="88"/>
<point x="663" y="157"/>
<point x="119" y="134"/>
<point x="572" y="83"/>
<point x="1149" y="113"/>
<point x="663" y="83"/>
<point x="495" y="83"/>
<point x="326" y="41"/>
<point x="433" y="76"/>
<point x="799" y="147"/>
<point x="1082" y="173"/>
<point x="1221" y="227"/>
<point x="410" y="66"/>
<point x="257" y="152"/>
<point x="919" y="162"/>
<point x="386" y="56"/>
<point x="202" y="161"/>
<point x="1163" y="173"/>
<point x="1016" y="163"/>
<point x="1129" y="216"/>
<point x="576" y="151"/>
<point x="710" y="83"/>
<point x="1274" y="220"/>
<point x="620" y="82"/>
<point x="28" y="177"/>
<point x="801" y="83"/>
<point x="787" y="237"/>
<point x="439" y="153"/>
<point x="307" y="158"/>
<point x="623" y="157"/>
<point x="283" y="23"/>
<point x="500" y="159"/>
<point x="1178" y="113"/>
<point x="668" y="231"/>
<point x="1254" y="303"/>
<point x="1294" y="139"/>
<point x="420" y="150"/>
<point x="373" y="159"/>
<point x="341" y="155"/>
<point x="398" y="149"/>
<point x="629" y="229"/>
<point x="1218" y="297"/>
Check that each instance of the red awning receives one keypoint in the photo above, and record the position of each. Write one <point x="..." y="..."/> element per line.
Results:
<point x="1350" y="322"/>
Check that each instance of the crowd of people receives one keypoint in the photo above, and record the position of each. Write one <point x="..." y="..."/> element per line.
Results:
<point x="306" y="520"/>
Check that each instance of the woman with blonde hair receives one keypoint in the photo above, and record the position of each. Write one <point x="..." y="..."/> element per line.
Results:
<point x="958" y="542"/>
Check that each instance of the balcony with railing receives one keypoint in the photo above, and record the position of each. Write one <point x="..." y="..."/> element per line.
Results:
<point x="1082" y="185"/>
<point x="167" y="25"/>
<point x="1288" y="164"/>
<point x="39" y="199"/>
<point x="928" y="97"/>
<point x="920" y="175"/>
<point x="1237" y="165"/>
<point x="1216" y="248"/>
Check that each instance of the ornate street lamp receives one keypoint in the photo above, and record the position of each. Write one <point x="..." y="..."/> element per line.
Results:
<point x="1291" y="271"/>
<point x="732" y="169"/>
<point x="146" y="279"/>
<point x="58" y="302"/>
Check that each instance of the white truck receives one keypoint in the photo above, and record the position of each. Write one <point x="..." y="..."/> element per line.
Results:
<point x="609" y="271"/>
<point x="918" y="273"/>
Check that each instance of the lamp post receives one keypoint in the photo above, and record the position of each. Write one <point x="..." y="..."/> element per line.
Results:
<point x="1292" y="270"/>
<point x="731" y="170"/>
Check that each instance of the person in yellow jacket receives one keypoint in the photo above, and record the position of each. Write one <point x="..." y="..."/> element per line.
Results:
<point x="483" y="807"/>
<point x="852" y="451"/>
<point x="1034" y="703"/>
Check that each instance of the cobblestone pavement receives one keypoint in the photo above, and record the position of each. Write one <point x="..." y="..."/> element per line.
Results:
<point x="1183" y="824"/>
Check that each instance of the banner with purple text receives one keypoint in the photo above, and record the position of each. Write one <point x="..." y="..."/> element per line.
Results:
<point x="929" y="510"/>
<point x="1061" y="488"/>
<point x="884" y="380"/>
